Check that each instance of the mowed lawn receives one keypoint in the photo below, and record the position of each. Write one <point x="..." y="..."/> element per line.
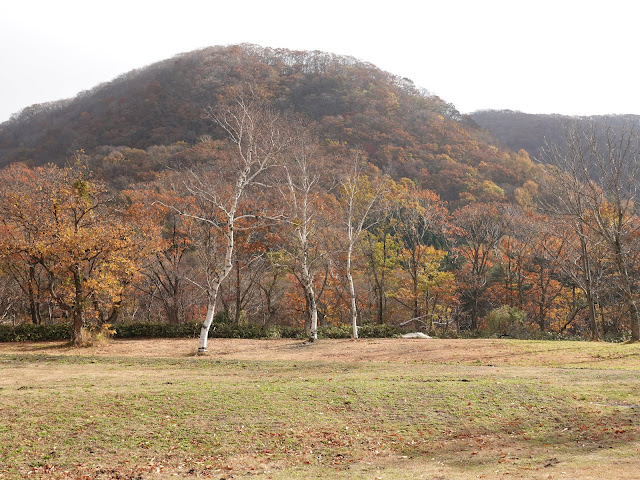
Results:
<point x="371" y="409"/>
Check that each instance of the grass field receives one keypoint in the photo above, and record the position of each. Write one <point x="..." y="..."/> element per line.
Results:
<point x="372" y="409"/>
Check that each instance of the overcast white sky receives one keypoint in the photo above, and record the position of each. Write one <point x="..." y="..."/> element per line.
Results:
<point x="537" y="56"/>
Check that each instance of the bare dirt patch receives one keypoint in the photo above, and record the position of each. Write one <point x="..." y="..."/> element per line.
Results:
<point x="476" y="352"/>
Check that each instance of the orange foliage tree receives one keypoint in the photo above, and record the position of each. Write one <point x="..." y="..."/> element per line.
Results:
<point x="69" y="225"/>
<point x="479" y="229"/>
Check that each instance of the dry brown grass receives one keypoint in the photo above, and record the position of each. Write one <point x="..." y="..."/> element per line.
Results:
<point x="471" y="352"/>
<point x="281" y="409"/>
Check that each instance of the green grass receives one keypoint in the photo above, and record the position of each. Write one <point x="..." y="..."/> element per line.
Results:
<point x="64" y="417"/>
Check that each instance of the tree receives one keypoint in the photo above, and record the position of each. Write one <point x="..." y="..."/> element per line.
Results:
<point x="512" y="253"/>
<point x="479" y="228"/>
<point x="357" y="197"/>
<point x="597" y="171"/>
<point x="169" y="266"/>
<point x="381" y="250"/>
<point x="528" y="256"/>
<point x="20" y="232"/>
<point x="301" y="196"/>
<point x="420" y="220"/>
<point x="77" y="236"/>
<point x="543" y="273"/>
<point x="249" y="265"/>
<point x="254" y="132"/>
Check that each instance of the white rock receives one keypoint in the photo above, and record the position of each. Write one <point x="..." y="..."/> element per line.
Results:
<point x="415" y="335"/>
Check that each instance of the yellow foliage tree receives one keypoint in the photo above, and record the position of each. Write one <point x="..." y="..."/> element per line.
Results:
<point x="68" y="224"/>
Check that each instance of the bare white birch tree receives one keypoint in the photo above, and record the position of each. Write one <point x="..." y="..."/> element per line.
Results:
<point x="358" y="197"/>
<point x="300" y="193"/>
<point x="254" y="132"/>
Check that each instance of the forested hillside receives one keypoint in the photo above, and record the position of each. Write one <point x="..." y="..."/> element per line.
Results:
<point x="404" y="131"/>
<point x="518" y="130"/>
<point x="247" y="185"/>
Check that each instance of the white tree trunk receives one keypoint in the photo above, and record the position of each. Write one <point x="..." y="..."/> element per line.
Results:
<point x="314" y="317"/>
<point x="204" y="331"/>
<point x="357" y="214"/>
<point x="215" y="287"/>
<point x="254" y="129"/>
<point x="307" y="277"/>
<point x="352" y="292"/>
<point x="312" y="305"/>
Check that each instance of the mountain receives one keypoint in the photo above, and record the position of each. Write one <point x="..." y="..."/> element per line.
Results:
<point x="404" y="130"/>
<point x="518" y="130"/>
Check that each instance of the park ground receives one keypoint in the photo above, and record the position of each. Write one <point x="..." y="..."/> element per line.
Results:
<point x="337" y="409"/>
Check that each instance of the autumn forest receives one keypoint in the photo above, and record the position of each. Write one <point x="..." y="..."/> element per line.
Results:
<point x="301" y="189"/>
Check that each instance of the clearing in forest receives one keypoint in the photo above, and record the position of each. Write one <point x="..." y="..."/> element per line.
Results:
<point x="280" y="409"/>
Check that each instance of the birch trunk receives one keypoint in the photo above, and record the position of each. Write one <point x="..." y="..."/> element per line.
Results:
<point x="255" y="130"/>
<point x="307" y="276"/>
<point x="360" y="199"/>
<point x="204" y="330"/>
<point x="314" y="316"/>
<point x="352" y="293"/>
<point x="214" y="289"/>
<point x="312" y="305"/>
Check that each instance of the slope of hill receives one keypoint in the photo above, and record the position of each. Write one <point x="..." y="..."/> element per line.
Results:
<point x="518" y="130"/>
<point x="404" y="130"/>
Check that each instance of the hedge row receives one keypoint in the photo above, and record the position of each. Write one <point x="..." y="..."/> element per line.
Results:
<point x="364" y="331"/>
<point x="247" y="331"/>
<point x="192" y="330"/>
<point x="28" y="332"/>
<point x="35" y="333"/>
<point x="156" y="330"/>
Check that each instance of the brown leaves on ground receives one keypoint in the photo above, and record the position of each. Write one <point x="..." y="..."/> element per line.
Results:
<point x="487" y="352"/>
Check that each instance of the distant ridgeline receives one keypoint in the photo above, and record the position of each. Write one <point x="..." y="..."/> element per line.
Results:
<point x="518" y="130"/>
